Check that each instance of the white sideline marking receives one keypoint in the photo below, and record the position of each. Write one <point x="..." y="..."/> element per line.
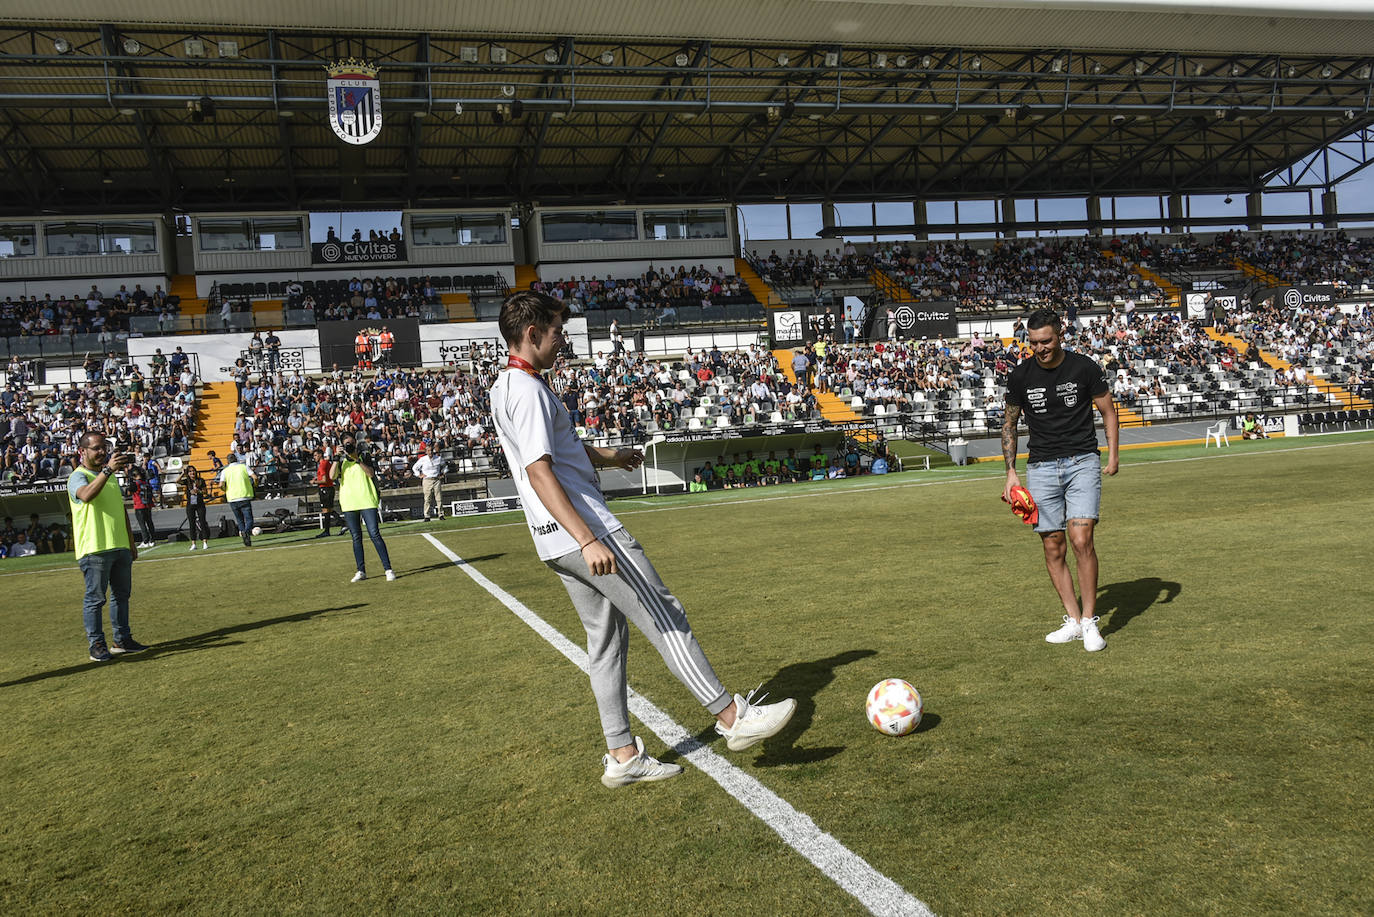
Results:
<point x="848" y="870"/>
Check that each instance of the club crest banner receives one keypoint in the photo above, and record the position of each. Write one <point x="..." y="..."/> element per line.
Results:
<point x="355" y="101"/>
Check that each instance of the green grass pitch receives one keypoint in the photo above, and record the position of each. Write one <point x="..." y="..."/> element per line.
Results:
<point x="296" y="744"/>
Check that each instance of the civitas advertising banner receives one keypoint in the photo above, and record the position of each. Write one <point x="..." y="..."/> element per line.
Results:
<point x="916" y="320"/>
<point x="1319" y="296"/>
<point x="347" y="251"/>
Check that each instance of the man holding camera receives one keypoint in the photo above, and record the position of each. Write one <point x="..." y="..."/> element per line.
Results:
<point x="360" y="502"/>
<point x="105" y="549"/>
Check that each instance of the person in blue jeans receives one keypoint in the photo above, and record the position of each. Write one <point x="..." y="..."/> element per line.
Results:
<point x="104" y="543"/>
<point x="360" y="503"/>
<point x="1057" y="391"/>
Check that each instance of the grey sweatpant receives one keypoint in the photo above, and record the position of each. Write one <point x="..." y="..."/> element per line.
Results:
<point x="636" y="593"/>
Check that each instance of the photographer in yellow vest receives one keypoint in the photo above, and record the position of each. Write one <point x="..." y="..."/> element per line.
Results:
<point x="104" y="543"/>
<point x="359" y="501"/>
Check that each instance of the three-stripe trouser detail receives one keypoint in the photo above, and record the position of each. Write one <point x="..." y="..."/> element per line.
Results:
<point x="636" y="594"/>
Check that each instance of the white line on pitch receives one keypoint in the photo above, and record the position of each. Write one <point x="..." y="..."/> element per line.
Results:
<point x="848" y="870"/>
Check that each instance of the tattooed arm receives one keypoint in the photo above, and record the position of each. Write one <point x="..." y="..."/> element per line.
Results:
<point x="1013" y="413"/>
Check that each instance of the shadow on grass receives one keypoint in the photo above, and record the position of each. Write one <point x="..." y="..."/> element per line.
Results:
<point x="801" y="682"/>
<point x="209" y="640"/>
<point x="446" y="565"/>
<point x="1128" y="599"/>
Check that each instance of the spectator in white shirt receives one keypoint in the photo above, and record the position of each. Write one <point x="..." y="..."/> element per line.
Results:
<point x="430" y="470"/>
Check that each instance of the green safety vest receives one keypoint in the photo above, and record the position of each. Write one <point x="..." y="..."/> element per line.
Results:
<point x="238" y="483"/>
<point x="356" y="489"/>
<point x="100" y="524"/>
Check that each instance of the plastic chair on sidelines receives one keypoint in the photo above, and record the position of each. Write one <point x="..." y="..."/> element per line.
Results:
<point x="1217" y="431"/>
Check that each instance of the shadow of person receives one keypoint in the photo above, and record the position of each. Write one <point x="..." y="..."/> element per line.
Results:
<point x="1126" y="600"/>
<point x="802" y="681"/>
<point x="444" y="565"/>
<point x="211" y="639"/>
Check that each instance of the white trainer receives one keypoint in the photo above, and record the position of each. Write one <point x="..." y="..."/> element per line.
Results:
<point x="193" y="546"/>
<point x="358" y="577"/>
<point x="641" y="767"/>
<point x="205" y="545"/>
<point x="1092" y="639"/>
<point x="390" y="577"/>
<point x="755" y="721"/>
<point x="1068" y="633"/>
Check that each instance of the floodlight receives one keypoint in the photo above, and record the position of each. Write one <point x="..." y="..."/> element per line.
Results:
<point x="551" y="56"/>
<point x="608" y="57"/>
<point x="681" y="59"/>
<point x="498" y="54"/>
<point x="468" y="54"/>
<point x="976" y="63"/>
<point x="926" y="61"/>
<point x="832" y="58"/>
<point x="783" y="59"/>
<point x="61" y="45"/>
<point x="131" y="46"/>
<point x="1057" y="65"/>
<point x="1327" y="71"/>
<point x="880" y="60"/>
<point x="901" y="61"/>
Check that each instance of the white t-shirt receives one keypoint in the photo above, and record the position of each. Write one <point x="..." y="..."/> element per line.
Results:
<point x="531" y="423"/>
<point x="428" y="466"/>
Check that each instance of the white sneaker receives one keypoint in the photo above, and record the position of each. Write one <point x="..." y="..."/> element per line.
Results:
<point x="641" y="767"/>
<point x="205" y="545"/>
<point x="755" y="722"/>
<point x="1070" y="632"/>
<point x="193" y="546"/>
<point x="358" y="577"/>
<point x="1092" y="640"/>
<point x="390" y="577"/>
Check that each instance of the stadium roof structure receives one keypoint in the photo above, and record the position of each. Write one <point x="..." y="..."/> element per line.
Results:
<point x="484" y="103"/>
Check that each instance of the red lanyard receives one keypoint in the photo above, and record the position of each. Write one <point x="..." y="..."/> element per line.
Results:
<point x="525" y="366"/>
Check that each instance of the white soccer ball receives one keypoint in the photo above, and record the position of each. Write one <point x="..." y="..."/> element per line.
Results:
<point x="257" y="530"/>
<point x="893" y="707"/>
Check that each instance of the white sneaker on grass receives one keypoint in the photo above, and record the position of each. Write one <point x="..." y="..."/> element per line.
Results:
<point x="390" y="577"/>
<point x="358" y="577"/>
<point x="193" y="546"/>
<point x="205" y="545"/>
<point x="1092" y="639"/>
<point x="755" y="721"/>
<point x="1068" y="633"/>
<point x="640" y="768"/>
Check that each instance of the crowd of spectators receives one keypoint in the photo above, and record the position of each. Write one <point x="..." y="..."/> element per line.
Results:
<point x="34" y="538"/>
<point x="96" y="312"/>
<point x="284" y="418"/>
<point x="363" y="298"/>
<point x="801" y="268"/>
<point x="151" y="418"/>
<point x="661" y="289"/>
<point x="1022" y="275"/>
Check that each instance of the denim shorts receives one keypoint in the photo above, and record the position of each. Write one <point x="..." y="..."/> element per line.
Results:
<point x="1065" y="488"/>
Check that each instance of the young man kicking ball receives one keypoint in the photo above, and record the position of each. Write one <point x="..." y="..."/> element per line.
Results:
<point x="605" y="571"/>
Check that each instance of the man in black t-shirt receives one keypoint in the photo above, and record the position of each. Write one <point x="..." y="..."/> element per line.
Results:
<point x="1057" y="391"/>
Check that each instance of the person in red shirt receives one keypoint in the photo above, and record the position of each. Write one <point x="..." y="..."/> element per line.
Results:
<point x="143" y="508"/>
<point x="325" y="483"/>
